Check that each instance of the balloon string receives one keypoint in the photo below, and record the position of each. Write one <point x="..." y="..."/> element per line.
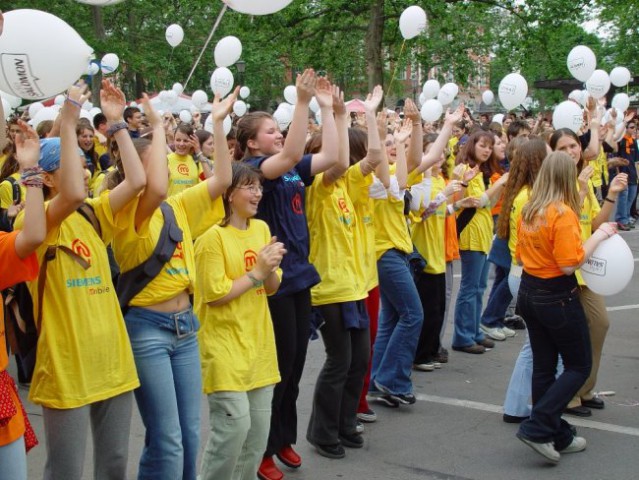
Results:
<point x="401" y="50"/>
<point x="206" y="44"/>
<point x="168" y="69"/>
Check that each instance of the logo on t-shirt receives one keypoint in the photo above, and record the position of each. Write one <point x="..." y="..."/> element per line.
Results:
<point x="250" y="259"/>
<point x="343" y="206"/>
<point x="80" y="248"/>
<point x="184" y="169"/>
<point x="296" y="203"/>
<point x="178" y="251"/>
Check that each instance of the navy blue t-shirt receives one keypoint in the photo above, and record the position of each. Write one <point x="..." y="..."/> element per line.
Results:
<point x="282" y="208"/>
<point x="631" y="154"/>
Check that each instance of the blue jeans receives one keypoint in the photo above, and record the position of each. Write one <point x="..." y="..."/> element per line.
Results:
<point x="498" y="300"/>
<point x="474" y="277"/>
<point x="400" y="323"/>
<point x="557" y="325"/>
<point x="13" y="458"/>
<point x="167" y="358"/>
<point x="624" y="204"/>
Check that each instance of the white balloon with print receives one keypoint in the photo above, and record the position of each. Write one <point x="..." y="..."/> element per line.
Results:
<point x="199" y="98"/>
<point x="222" y="81"/>
<point x="257" y="7"/>
<point x="227" y="51"/>
<point x="185" y="116"/>
<point x="488" y="97"/>
<point x="513" y="89"/>
<point x="110" y="63"/>
<point x="6" y="107"/>
<point x="598" y="84"/>
<point x="432" y="110"/>
<point x="174" y="35"/>
<point x="290" y="94"/>
<point x="245" y="92"/>
<point x="239" y="108"/>
<point x="621" y="102"/>
<point x="610" y="267"/>
<point x="14" y="101"/>
<point x="567" y="115"/>
<point x="581" y="62"/>
<point x="620" y="76"/>
<point x="412" y="22"/>
<point x="431" y="89"/>
<point x="35" y="67"/>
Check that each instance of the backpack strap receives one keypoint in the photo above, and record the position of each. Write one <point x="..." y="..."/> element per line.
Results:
<point x="16" y="192"/>
<point x="89" y="215"/>
<point x="135" y="280"/>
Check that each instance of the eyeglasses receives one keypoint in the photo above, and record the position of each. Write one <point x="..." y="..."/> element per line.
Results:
<point x="253" y="188"/>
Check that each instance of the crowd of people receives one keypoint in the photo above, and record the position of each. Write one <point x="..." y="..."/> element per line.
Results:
<point x="159" y="261"/>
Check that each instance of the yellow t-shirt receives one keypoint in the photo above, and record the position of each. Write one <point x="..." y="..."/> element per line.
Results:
<point x="429" y="234"/>
<point x="331" y="223"/>
<point x="84" y="354"/>
<point x="183" y="173"/>
<point x="237" y="343"/>
<point x="6" y="192"/>
<point x="521" y="199"/>
<point x="450" y="161"/>
<point x="478" y="234"/>
<point x="3" y="158"/>
<point x="364" y="239"/>
<point x="391" y="230"/>
<point x="589" y="211"/>
<point x="195" y="212"/>
<point x="99" y="148"/>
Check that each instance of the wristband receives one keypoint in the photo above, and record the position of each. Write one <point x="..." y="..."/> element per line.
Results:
<point x="73" y="102"/>
<point x="465" y="185"/>
<point x="116" y="127"/>
<point x="256" y="283"/>
<point x="608" y="200"/>
<point x="32" y="177"/>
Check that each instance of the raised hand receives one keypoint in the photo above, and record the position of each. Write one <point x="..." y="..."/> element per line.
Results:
<point x="584" y="176"/>
<point x="619" y="183"/>
<point x="305" y="85"/>
<point x="323" y="92"/>
<point x="468" y="202"/>
<point x="411" y="111"/>
<point x="453" y="187"/>
<point x="112" y="101"/>
<point x="222" y="108"/>
<point x="381" y="124"/>
<point x="374" y="99"/>
<point x="269" y="258"/>
<point x="78" y="93"/>
<point x="402" y="134"/>
<point x="339" y="107"/>
<point x="454" y="117"/>
<point x="470" y="173"/>
<point x="195" y="144"/>
<point x="27" y="146"/>
<point x="151" y="114"/>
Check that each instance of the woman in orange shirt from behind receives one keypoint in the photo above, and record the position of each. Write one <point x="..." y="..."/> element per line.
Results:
<point x="551" y="250"/>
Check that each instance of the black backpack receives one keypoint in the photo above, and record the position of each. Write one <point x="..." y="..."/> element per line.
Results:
<point x="6" y="223"/>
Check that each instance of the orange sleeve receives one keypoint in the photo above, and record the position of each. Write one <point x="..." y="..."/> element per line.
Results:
<point x="14" y="269"/>
<point x="568" y="248"/>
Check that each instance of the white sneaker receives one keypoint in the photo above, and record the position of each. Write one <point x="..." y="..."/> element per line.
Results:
<point x="509" y="333"/>
<point x="359" y="428"/>
<point x="424" y="367"/>
<point x="546" y="450"/>
<point x="578" y="444"/>
<point x="494" y="333"/>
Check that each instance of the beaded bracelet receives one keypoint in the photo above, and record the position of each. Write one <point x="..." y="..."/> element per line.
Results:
<point x="116" y="127"/>
<point x="32" y="177"/>
<point x="73" y="102"/>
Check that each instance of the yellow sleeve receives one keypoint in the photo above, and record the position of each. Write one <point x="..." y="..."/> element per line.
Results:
<point x="6" y="195"/>
<point x="212" y="280"/>
<point x="414" y="178"/>
<point x="357" y="184"/>
<point x="102" y="208"/>
<point x="201" y="211"/>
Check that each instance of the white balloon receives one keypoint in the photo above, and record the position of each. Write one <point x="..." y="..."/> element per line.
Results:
<point x="109" y="63"/>
<point x="598" y="84"/>
<point x="185" y="116"/>
<point x="100" y="3"/>
<point x="567" y="115"/>
<point x="227" y="51"/>
<point x="59" y="100"/>
<point x="171" y="98"/>
<point x="43" y="114"/>
<point x="412" y="22"/>
<point x="432" y="110"/>
<point x="581" y="62"/>
<point x="621" y="102"/>
<point x="257" y="7"/>
<point x="431" y="89"/>
<point x="512" y="90"/>
<point x="584" y="98"/>
<point x="620" y="76"/>
<point x="245" y="92"/>
<point x="174" y="35"/>
<point x="34" y="108"/>
<point x="314" y="105"/>
<point x="222" y="81"/>
<point x="447" y="94"/>
<point x="422" y="98"/>
<point x="14" y="101"/>
<point x="575" y="95"/>
<point x="499" y="118"/>
<point x="93" y="68"/>
<point x="283" y="117"/>
<point x="609" y="269"/>
<point x="133" y="104"/>
<point x="286" y="107"/>
<point x="6" y="107"/>
<point x="488" y="97"/>
<point x="239" y="108"/>
<point x="318" y="117"/>
<point x="178" y="88"/>
<point x="199" y="98"/>
<point x="36" y="68"/>
<point x="290" y="94"/>
<point x="227" y="124"/>
<point x="87" y="106"/>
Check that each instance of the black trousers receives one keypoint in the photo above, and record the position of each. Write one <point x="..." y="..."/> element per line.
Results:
<point x="341" y="379"/>
<point x="291" y="316"/>
<point x="432" y="293"/>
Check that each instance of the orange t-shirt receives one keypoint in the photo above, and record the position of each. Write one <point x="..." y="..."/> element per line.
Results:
<point x="451" y="241"/>
<point x="496" y="210"/>
<point x="552" y="242"/>
<point x="13" y="270"/>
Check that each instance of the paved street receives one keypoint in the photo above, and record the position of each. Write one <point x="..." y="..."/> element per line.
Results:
<point x="455" y="431"/>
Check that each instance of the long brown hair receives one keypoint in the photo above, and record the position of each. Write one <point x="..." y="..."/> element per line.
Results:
<point x="467" y="152"/>
<point x="243" y="174"/>
<point x="556" y="184"/>
<point x="247" y="129"/>
<point x="524" y="168"/>
<point x="566" y="132"/>
<point x="116" y="176"/>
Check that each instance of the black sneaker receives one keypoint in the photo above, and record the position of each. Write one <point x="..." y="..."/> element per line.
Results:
<point x="352" y="440"/>
<point x="330" y="451"/>
<point x="407" y="399"/>
<point x="387" y="401"/>
<point x="515" y="322"/>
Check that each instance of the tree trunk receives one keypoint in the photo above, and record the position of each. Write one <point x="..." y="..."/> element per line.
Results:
<point x="374" y="36"/>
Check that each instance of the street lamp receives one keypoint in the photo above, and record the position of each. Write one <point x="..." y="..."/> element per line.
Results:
<point x="241" y="67"/>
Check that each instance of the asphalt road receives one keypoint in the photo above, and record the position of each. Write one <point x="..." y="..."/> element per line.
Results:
<point x="455" y="431"/>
